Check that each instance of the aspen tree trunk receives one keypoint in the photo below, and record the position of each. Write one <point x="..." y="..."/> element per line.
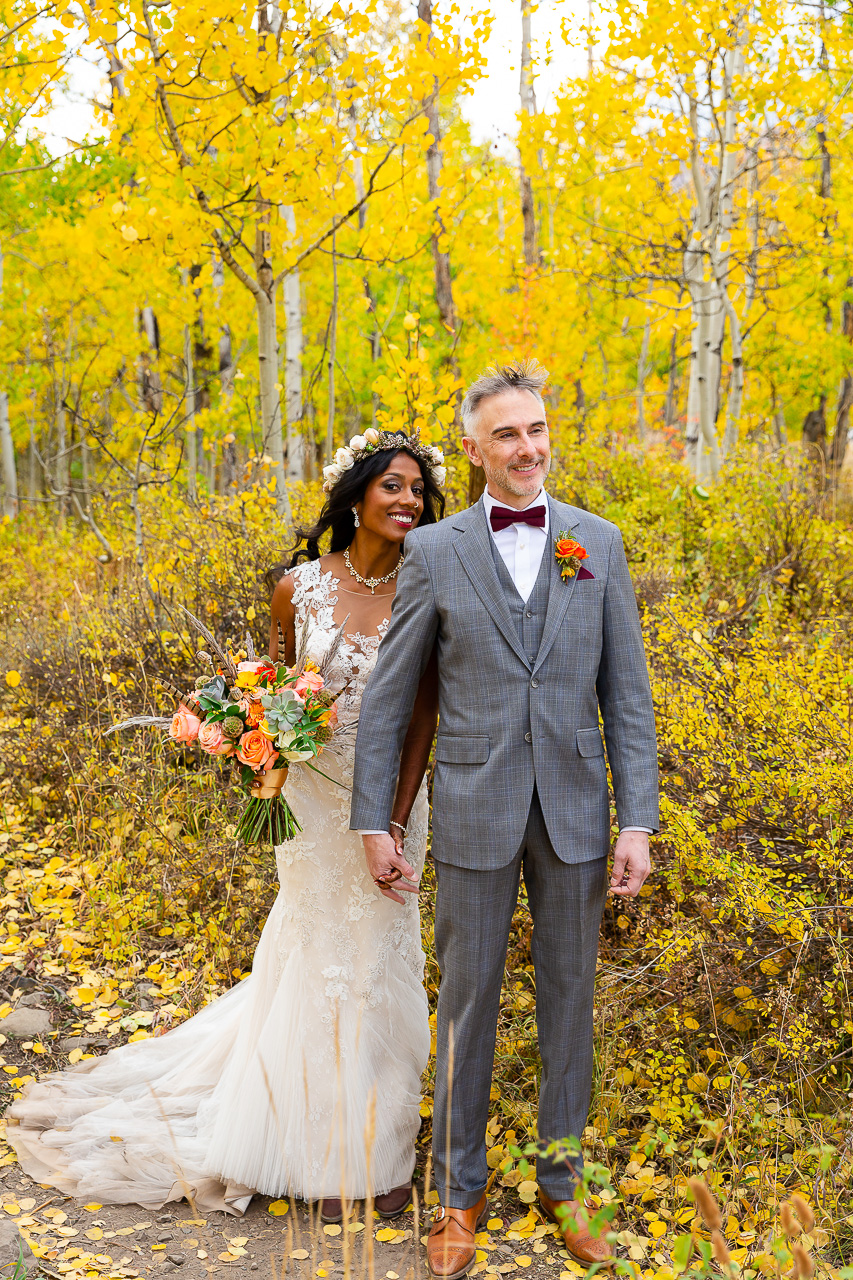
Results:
<point x="642" y="370"/>
<point x="702" y="449"/>
<point x="669" y="414"/>
<point x="189" y="416"/>
<point x="291" y="287"/>
<point x="721" y="247"/>
<point x="838" y="448"/>
<point x="273" y="441"/>
<point x="528" y="106"/>
<point x="814" y="427"/>
<point x="61" y="447"/>
<point x="150" y="385"/>
<point x="333" y="350"/>
<point x="7" y="451"/>
<point x="440" y="256"/>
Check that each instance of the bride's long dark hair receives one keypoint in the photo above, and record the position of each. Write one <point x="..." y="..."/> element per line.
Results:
<point x="337" y="511"/>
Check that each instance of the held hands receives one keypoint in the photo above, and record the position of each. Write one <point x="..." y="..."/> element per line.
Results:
<point x="388" y="866"/>
<point x="631" y="864"/>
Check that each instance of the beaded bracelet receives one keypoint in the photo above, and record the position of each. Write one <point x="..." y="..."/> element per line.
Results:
<point x="392" y="823"/>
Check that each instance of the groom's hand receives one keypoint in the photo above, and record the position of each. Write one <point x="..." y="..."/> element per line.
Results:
<point x="388" y="866"/>
<point x="631" y="864"/>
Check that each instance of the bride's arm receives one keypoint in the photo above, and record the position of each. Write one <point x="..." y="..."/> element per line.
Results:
<point x="282" y="615"/>
<point x="417" y="745"/>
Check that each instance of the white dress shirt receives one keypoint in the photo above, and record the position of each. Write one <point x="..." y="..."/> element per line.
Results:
<point x="521" y="547"/>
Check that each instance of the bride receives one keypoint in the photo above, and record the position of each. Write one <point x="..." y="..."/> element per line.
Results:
<point x="304" y="1079"/>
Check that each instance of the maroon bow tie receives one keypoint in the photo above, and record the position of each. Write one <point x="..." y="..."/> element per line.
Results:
<point x="503" y="517"/>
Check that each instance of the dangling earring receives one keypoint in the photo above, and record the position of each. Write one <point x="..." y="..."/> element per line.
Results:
<point x="357" y="521"/>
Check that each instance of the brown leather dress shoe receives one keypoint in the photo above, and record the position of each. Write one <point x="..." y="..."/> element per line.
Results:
<point x="393" y="1202"/>
<point x="580" y="1245"/>
<point x="451" y="1248"/>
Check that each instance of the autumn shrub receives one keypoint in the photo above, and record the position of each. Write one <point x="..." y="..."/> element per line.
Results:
<point x="724" y="1024"/>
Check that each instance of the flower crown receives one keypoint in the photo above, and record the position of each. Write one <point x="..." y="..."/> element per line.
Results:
<point x="374" y="441"/>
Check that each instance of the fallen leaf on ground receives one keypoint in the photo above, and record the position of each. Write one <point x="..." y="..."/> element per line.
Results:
<point x="278" y="1207"/>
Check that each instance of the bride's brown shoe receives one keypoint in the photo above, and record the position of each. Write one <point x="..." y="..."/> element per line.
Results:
<point x="580" y="1245"/>
<point x="331" y="1210"/>
<point x="392" y="1203"/>
<point x="451" y="1247"/>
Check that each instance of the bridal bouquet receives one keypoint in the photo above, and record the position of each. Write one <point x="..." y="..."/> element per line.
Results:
<point x="265" y="715"/>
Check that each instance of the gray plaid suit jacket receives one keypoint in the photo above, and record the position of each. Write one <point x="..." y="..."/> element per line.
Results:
<point x="506" y="723"/>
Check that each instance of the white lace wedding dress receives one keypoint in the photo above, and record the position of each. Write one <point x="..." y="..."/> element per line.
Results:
<point x="304" y="1079"/>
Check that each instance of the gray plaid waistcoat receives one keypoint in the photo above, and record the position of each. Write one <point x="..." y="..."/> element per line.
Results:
<point x="529" y="616"/>
<point x="519" y="698"/>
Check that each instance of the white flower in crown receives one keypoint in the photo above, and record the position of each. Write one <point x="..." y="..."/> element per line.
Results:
<point x="372" y="441"/>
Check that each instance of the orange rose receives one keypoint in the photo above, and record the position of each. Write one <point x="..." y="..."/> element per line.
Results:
<point x="566" y="547"/>
<point x="185" y="725"/>
<point x="255" y="750"/>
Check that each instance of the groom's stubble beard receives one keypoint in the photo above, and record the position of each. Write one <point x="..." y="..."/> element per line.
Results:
<point x="519" y="486"/>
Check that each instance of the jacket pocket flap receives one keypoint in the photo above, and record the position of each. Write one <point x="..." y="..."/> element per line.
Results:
<point x="456" y="749"/>
<point x="589" y="742"/>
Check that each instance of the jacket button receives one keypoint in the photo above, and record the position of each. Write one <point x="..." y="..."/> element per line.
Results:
<point x="528" y="737"/>
<point x="529" y="613"/>
<point x="534" y="684"/>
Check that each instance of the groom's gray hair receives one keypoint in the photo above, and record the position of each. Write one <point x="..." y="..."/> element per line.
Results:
<point x="518" y="375"/>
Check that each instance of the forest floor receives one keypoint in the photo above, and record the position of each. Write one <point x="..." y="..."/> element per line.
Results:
<point x="56" y="1236"/>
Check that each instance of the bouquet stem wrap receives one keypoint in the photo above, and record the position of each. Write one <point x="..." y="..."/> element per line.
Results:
<point x="268" y="816"/>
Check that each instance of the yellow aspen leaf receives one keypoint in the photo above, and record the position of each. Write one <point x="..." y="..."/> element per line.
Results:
<point x="13" y="679"/>
<point x="524" y="1260"/>
<point x="494" y="1224"/>
<point x="333" y="1229"/>
<point x="657" y="1229"/>
<point x="527" y="1192"/>
<point x="239" y="1241"/>
<point x="12" y="1208"/>
<point x="387" y="1233"/>
<point x="299" y="1254"/>
<point x="94" y="1233"/>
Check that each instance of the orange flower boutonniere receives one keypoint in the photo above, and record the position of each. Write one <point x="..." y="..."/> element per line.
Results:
<point x="569" y="555"/>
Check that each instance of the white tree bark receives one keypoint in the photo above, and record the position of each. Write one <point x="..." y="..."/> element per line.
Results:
<point x="528" y="106"/>
<point x="273" y="439"/>
<point x="293" y="352"/>
<point x="7" y="452"/>
<point x="333" y="350"/>
<point x="189" y="416"/>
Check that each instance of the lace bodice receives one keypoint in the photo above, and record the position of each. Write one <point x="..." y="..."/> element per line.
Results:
<point x="315" y="596"/>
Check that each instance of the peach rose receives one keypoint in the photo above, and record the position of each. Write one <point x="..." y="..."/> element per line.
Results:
<point x="212" y="740"/>
<point x="308" y="680"/>
<point x="185" y="725"/>
<point x="255" y="750"/>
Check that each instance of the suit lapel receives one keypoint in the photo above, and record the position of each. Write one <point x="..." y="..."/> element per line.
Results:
<point x="474" y="549"/>
<point x="560" y="519"/>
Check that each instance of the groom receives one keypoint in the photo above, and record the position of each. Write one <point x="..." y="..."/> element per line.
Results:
<point x="527" y="658"/>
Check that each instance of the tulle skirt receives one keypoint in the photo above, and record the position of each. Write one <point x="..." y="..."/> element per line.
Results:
<point x="303" y="1080"/>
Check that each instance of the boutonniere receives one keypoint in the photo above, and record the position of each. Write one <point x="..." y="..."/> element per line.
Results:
<point x="568" y="555"/>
